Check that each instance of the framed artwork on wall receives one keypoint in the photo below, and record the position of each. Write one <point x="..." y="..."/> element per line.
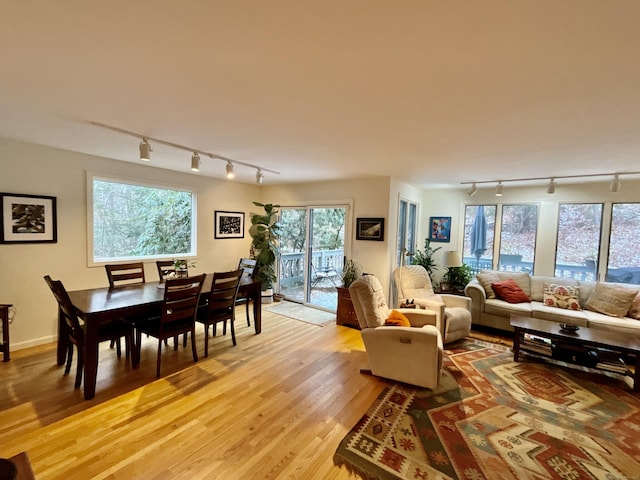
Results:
<point x="370" y="229"/>
<point x="229" y="224"/>
<point x="439" y="229"/>
<point x="27" y="218"/>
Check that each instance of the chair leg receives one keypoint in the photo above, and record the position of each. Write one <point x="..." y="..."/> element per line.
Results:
<point x="224" y="328"/>
<point x="118" y="347"/>
<point x="193" y="344"/>
<point x="67" y="368"/>
<point x="113" y="342"/>
<point x="184" y="340"/>
<point x="233" y="331"/>
<point x="159" y="357"/>
<point x="206" y="338"/>
<point x="247" y="304"/>
<point x="79" y="368"/>
<point x="175" y="342"/>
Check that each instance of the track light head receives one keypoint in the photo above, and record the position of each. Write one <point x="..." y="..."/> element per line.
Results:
<point x="195" y="162"/>
<point x="259" y="177"/>
<point x="473" y="190"/>
<point x="499" y="189"/>
<point x="145" y="150"/>
<point x="615" y="184"/>
<point x="551" y="189"/>
<point x="229" y="169"/>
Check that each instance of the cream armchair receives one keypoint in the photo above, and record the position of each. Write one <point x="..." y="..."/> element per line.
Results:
<point x="406" y="354"/>
<point x="453" y="311"/>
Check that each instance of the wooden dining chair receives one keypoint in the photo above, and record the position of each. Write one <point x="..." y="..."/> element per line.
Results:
<point x="220" y="305"/>
<point x="248" y="267"/>
<point x="125" y="274"/>
<point x="75" y="329"/>
<point x="179" y="306"/>
<point x="165" y="268"/>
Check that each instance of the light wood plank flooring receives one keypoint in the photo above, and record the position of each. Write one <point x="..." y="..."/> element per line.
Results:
<point x="275" y="406"/>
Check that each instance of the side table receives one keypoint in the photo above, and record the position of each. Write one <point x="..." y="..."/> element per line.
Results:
<point x="4" y="346"/>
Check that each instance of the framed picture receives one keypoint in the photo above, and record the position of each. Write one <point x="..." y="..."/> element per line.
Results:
<point x="370" y="229"/>
<point x="28" y="218"/>
<point x="229" y="224"/>
<point x="439" y="229"/>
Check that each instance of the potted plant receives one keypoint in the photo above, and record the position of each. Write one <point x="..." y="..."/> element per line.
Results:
<point x="458" y="277"/>
<point x="345" y="314"/>
<point x="425" y="258"/>
<point x="264" y="232"/>
<point x="182" y="267"/>
<point x="350" y="273"/>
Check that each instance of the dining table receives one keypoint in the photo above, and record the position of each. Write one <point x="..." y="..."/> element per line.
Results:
<point x="143" y="300"/>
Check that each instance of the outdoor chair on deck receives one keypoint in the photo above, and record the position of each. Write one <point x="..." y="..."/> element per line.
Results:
<point x="248" y="267"/>
<point x="179" y="306"/>
<point x="75" y="329"/>
<point x="402" y="353"/>
<point x="220" y="305"/>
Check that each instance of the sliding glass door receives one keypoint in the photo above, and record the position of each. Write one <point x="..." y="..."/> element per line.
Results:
<point x="312" y="254"/>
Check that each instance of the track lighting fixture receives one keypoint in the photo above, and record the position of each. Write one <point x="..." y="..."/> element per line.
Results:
<point x="473" y="190"/>
<point x="195" y="162"/>
<point x="259" y="177"/>
<point x="145" y="150"/>
<point x="229" y="170"/>
<point x="615" y="184"/>
<point x="499" y="189"/>
<point x="551" y="189"/>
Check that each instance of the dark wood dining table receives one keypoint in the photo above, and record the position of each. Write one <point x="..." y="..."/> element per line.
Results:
<point x="97" y="305"/>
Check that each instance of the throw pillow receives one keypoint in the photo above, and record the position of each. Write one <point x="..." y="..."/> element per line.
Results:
<point x="611" y="299"/>
<point x="397" y="319"/>
<point x="486" y="279"/>
<point x="509" y="291"/>
<point x="561" y="296"/>
<point x="634" y="309"/>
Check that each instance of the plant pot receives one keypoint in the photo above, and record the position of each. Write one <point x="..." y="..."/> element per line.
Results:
<point x="278" y="297"/>
<point x="267" y="295"/>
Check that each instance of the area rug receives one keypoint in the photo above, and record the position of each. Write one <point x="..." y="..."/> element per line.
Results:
<point x="491" y="418"/>
<point x="302" y="313"/>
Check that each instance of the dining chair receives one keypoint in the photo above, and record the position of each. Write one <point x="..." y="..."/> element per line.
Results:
<point x="220" y="305"/>
<point x="75" y="329"/>
<point x="248" y="267"/>
<point x="165" y="268"/>
<point x="125" y="274"/>
<point x="179" y="306"/>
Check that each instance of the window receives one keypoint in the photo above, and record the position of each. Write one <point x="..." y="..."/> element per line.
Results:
<point x="578" y="245"/>
<point x="624" y="250"/>
<point x="518" y="237"/>
<point x="134" y="221"/>
<point x="407" y="215"/>
<point x="479" y="232"/>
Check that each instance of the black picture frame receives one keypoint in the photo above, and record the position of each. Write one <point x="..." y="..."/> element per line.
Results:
<point x="440" y="229"/>
<point x="28" y="218"/>
<point x="370" y="229"/>
<point x="228" y="224"/>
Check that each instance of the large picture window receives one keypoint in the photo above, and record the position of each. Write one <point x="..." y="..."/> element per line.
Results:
<point x="624" y="249"/>
<point x="518" y="237"/>
<point x="479" y="232"/>
<point x="132" y="221"/>
<point x="578" y="246"/>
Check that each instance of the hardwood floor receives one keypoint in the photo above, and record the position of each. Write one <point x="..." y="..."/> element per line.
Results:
<point x="275" y="406"/>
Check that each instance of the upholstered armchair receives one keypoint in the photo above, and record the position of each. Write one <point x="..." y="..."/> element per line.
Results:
<point x="407" y="354"/>
<point x="453" y="311"/>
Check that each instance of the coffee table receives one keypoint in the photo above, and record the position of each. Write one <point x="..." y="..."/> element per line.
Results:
<point x="585" y="338"/>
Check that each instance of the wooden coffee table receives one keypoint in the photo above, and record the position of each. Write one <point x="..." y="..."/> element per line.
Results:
<point x="584" y="339"/>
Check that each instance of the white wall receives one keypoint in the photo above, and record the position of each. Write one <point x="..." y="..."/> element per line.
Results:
<point x="31" y="169"/>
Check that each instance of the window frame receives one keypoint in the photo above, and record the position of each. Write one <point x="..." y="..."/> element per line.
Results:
<point x="92" y="176"/>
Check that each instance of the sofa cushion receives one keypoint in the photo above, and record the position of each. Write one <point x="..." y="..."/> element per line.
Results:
<point x="634" y="309"/>
<point x="614" y="324"/>
<point x="486" y="278"/>
<point x="586" y="289"/>
<point x="561" y="296"/>
<point x="611" y="299"/>
<point x="559" y="315"/>
<point x="537" y="285"/>
<point x="509" y="291"/>
<point x="501" y="308"/>
<point x="397" y="319"/>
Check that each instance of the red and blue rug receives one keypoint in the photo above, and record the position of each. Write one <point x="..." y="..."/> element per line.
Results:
<point x="491" y="418"/>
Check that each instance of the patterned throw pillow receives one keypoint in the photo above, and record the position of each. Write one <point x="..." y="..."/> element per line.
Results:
<point x="611" y="299"/>
<point x="634" y="309"/>
<point x="561" y="296"/>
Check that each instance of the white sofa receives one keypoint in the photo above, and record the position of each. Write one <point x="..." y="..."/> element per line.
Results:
<point x="494" y="312"/>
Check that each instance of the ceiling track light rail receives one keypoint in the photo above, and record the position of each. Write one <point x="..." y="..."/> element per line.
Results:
<point x="145" y="153"/>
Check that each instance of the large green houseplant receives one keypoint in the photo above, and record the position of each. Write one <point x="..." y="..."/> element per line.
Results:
<point x="425" y="258"/>
<point x="264" y="232"/>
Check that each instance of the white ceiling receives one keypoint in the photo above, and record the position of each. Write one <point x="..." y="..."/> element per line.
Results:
<point x="432" y="92"/>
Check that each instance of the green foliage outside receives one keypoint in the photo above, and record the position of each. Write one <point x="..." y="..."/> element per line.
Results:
<point x="138" y="221"/>
<point x="328" y="229"/>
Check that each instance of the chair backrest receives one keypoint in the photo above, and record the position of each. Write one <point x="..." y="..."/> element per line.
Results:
<point x="413" y="281"/>
<point x="224" y="291"/>
<point x="66" y="307"/>
<point x="125" y="274"/>
<point x="369" y="302"/>
<point x="165" y="268"/>
<point x="180" y="303"/>
<point x="248" y="266"/>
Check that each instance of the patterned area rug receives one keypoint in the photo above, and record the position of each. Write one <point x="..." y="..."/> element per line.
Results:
<point x="302" y="313"/>
<point x="491" y="418"/>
